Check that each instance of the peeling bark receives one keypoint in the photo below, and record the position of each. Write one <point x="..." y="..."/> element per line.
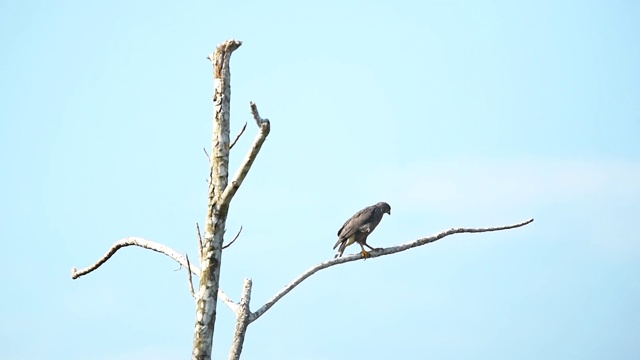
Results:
<point x="206" y="302"/>
<point x="243" y="316"/>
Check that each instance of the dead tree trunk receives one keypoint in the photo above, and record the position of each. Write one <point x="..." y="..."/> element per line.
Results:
<point x="221" y="191"/>
<point x="211" y="252"/>
<point x="220" y="194"/>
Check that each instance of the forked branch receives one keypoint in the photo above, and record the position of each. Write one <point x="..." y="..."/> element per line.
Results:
<point x="376" y="253"/>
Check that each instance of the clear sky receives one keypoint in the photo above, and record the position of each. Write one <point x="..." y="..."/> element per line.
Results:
<point x="459" y="114"/>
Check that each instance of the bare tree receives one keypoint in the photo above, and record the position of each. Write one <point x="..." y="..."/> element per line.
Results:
<point x="211" y="244"/>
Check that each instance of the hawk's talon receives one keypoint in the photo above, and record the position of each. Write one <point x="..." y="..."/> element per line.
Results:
<point x="365" y="254"/>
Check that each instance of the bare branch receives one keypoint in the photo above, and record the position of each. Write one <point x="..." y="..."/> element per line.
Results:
<point x="199" y="241"/>
<point x="238" y="136"/>
<point x="256" y="116"/>
<point x="234" y="239"/>
<point x="133" y="241"/>
<point x="193" y="293"/>
<point x="206" y="153"/>
<point x="373" y="254"/>
<point x="243" y="315"/>
<point x="151" y="245"/>
<point x="243" y="170"/>
<point x="230" y="303"/>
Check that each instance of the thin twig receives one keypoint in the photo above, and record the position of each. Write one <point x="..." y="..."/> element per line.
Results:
<point x="193" y="293"/>
<point x="210" y="177"/>
<point x="238" y="137"/>
<point x="373" y="254"/>
<point x="234" y="239"/>
<point x="199" y="240"/>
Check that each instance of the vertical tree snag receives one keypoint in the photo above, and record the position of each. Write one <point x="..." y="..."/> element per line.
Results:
<point x="210" y="245"/>
<point x="216" y="210"/>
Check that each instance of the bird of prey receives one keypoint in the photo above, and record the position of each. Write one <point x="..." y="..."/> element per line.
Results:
<point x="359" y="226"/>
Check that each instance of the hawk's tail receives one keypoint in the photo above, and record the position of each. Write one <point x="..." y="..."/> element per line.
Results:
<point x="343" y="245"/>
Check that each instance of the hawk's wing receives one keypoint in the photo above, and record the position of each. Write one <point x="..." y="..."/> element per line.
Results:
<point x="363" y="219"/>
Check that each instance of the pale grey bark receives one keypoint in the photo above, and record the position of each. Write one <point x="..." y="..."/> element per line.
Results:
<point x="245" y="317"/>
<point x="206" y="301"/>
<point x="373" y="254"/>
<point x="243" y="170"/>
<point x="157" y="247"/>
<point x="133" y="241"/>
<point x="242" y="310"/>
<point x="242" y="321"/>
<point x="220" y="194"/>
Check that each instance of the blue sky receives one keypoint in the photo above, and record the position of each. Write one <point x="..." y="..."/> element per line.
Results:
<point x="456" y="113"/>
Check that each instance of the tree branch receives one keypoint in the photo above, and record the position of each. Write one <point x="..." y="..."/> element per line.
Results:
<point x="134" y="241"/>
<point x="376" y="253"/>
<point x="243" y="170"/>
<point x="199" y="241"/>
<point x="256" y="116"/>
<point x="193" y="293"/>
<point x="243" y="315"/>
<point x="234" y="239"/>
<point x="157" y="247"/>
<point x="238" y="136"/>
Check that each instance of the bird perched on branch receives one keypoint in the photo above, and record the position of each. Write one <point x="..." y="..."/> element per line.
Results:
<point x="359" y="226"/>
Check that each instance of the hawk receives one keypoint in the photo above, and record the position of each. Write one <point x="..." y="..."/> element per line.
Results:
<point x="359" y="226"/>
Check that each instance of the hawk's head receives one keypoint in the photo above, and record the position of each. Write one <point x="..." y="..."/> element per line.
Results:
<point x="384" y="207"/>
